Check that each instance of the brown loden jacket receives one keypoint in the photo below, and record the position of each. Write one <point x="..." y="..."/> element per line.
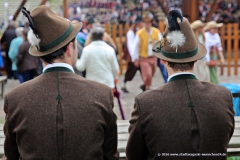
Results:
<point x="60" y="116"/>
<point x="164" y="123"/>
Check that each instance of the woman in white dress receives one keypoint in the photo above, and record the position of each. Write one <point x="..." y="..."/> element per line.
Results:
<point x="214" y="49"/>
<point x="200" y="67"/>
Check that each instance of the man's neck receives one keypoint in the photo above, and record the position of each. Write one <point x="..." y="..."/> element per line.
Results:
<point x="56" y="61"/>
<point x="170" y="73"/>
<point x="148" y="30"/>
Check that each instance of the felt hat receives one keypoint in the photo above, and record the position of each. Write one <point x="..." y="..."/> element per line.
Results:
<point x="212" y="24"/>
<point x="196" y="24"/>
<point x="49" y="32"/>
<point x="178" y="43"/>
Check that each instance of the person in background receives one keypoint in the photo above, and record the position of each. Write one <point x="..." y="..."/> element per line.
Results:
<point x="200" y="67"/>
<point x="131" y="68"/>
<point x="13" y="52"/>
<point x="185" y="115"/>
<point x="89" y="24"/>
<point x="99" y="60"/>
<point x="80" y="43"/>
<point x="6" y="39"/>
<point x="214" y="48"/>
<point x="106" y="38"/>
<point x="141" y="53"/>
<point x="27" y="64"/>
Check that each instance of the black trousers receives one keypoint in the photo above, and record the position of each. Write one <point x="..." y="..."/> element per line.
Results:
<point x="131" y="71"/>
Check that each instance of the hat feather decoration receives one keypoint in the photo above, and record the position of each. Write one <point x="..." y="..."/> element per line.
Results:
<point x="33" y="34"/>
<point x="175" y="36"/>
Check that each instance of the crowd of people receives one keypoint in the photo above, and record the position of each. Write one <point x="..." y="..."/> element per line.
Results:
<point x="115" y="11"/>
<point x="60" y="115"/>
<point x="226" y="12"/>
<point x="24" y="68"/>
<point x="19" y="64"/>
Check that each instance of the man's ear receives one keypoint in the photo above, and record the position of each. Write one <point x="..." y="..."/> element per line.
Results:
<point x="69" y="49"/>
<point x="163" y="61"/>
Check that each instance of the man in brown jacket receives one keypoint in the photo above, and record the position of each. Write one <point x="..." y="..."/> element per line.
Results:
<point x="58" y="115"/>
<point x="26" y="64"/>
<point x="186" y="118"/>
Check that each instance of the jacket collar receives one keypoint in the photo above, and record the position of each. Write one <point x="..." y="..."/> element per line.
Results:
<point x="182" y="76"/>
<point x="98" y="42"/>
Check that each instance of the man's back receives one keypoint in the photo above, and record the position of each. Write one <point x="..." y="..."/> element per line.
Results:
<point x="83" y="127"/>
<point x="167" y="125"/>
<point x="100" y="62"/>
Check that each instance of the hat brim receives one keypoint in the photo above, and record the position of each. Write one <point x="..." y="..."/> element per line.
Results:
<point x="147" y="19"/>
<point x="206" y="28"/>
<point x="76" y="28"/>
<point x="201" y="53"/>
<point x="198" y="26"/>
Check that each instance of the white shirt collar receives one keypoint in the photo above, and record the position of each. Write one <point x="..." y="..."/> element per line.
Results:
<point x="150" y="33"/>
<point x="176" y="74"/>
<point x="58" y="65"/>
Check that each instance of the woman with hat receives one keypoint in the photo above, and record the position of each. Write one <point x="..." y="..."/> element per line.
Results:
<point x="131" y="68"/>
<point x="200" y="68"/>
<point x="214" y="48"/>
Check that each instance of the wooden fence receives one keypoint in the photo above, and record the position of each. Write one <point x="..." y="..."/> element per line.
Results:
<point x="230" y="37"/>
<point x="229" y="34"/>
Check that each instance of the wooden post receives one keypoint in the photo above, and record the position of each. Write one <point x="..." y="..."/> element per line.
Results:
<point x="43" y="2"/>
<point x="229" y="47"/>
<point x="165" y="10"/>
<point x="19" y="9"/>
<point x="107" y="29"/>
<point x="222" y="32"/>
<point x="236" y="47"/>
<point x="65" y="9"/>
<point x="126" y="28"/>
<point x="161" y="26"/>
<point x="120" y="48"/>
<point x="213" y="8"/>
<point x="190" y="9"/>
<point x="194" y="10"/>
<point x="114" y="33"/>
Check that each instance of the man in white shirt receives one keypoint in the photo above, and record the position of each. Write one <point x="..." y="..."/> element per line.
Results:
<point x="131" y="68"/>
<point x="141" y="53"/>
<point x="99" y="60"/>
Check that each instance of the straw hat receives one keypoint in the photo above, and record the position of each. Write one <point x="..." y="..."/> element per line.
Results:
<point x="196" y="24"/>
<point x="178" y="43"/>
<point x="49" y="32"/>
<point x="147" y="17"/>
<point x="212" y="24"/>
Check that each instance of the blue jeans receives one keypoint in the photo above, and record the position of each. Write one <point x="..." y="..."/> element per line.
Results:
<point x="18" y="76"/>
<point x="163" y="70"/>
<point x="28" y="75"/>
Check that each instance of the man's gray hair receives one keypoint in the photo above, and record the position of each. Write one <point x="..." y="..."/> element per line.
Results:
<point x="97" y="33"/>
<point x="19" y="31"/>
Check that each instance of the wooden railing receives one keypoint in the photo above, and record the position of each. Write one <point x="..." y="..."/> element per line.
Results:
<point x="230" y="37"/>
<point x="229" y="33"/>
